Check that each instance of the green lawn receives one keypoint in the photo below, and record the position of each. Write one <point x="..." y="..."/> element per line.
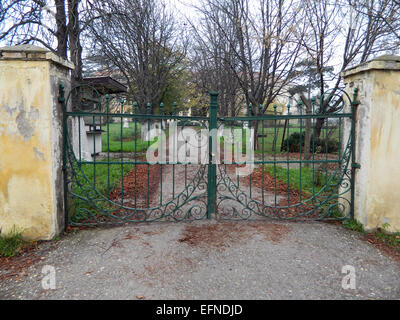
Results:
<point x="310" y="183"/>
<point x="131" y="141"/>
<point x="104" y="177"/>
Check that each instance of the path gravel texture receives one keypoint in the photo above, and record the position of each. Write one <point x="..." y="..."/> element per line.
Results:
<point x="209" y="260"/>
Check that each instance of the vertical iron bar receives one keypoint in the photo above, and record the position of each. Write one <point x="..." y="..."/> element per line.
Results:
<point x="108" y="143"/>
<point x="122" y="153"/>
<point x="354" y="106"/>
<point x="288" y="158"/>
<point x="173" y="151"/>
<point x="326" y="121"/>
<point x="136" y="110"/>
<point x="161" y="153"/>
<point x="80" y="140"/>
<point x="275" y="140"/>
<point x="212" y="170"/>
<point x="313" y="123"/>
<point x="254" y="141"/>
<point x="94" y="151"/>
<point x="260" y="107"/>
<point x="61" y="99"/>
<point x="148" y="145"/>
<point x="300" y="105"/>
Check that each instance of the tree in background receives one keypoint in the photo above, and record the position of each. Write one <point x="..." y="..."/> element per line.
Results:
<point x="141" y="40"/>
<point x="306" y="79"/>
<point x="213" y="61"/>
<point x="259" y="42"/>
<point x="339" y="34"/>
<point x="57" y="25"/>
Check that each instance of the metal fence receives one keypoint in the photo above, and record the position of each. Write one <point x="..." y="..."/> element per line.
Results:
<point x="110" y="179"/>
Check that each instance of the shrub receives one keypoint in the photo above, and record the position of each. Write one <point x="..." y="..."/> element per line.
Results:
<point x="320" y="145"/>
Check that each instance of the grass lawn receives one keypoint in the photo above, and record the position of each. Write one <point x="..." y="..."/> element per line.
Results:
<point x="102" y="178"/>
<point x="105" y="178"/>
<point x="310" y="183"/>
<point x="131" y="141"/>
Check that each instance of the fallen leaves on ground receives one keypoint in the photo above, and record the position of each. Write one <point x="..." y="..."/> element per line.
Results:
<point x="224" y="234"/>
<point x="17" y="266"/>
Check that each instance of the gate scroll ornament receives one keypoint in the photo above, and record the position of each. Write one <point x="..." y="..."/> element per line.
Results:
<point x="210" y="188"/>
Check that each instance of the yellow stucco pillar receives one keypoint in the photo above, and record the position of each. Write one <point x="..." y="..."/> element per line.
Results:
<point x="31" y="187"/>
<point x="377" y="182"/>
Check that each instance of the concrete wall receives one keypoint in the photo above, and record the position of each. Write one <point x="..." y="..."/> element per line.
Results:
<point x="31" y="184"/>
<point x="377" y="183"/>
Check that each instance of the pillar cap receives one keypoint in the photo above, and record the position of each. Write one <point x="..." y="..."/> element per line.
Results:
<point x="29" y="52"/>
<point x="385" y="62"/>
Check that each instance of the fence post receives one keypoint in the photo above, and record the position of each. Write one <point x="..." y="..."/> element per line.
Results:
<point x="212" y="156"/>
<point x="376" y="141"/>
<point x="31" y="141"/>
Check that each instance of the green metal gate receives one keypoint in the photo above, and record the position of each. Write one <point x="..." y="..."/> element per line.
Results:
<point x="109" y="180"/>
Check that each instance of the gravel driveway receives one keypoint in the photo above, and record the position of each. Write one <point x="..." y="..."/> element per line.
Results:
<point x="209" y="260"/>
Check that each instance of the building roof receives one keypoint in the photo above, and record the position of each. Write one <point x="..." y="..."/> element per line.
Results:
<point x="105" y="85"/>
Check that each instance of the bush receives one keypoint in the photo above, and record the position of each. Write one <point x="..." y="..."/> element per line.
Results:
<point x="320" y="145"/>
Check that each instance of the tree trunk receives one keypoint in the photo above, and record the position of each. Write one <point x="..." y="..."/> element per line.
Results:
<point x="318" y="127"/>
<point x="307" y="142"/>
<point x="61" y="33"/>
<point x="74" y="40"/>
<point x="307" y="137"/>
<point x="255" y="125"/>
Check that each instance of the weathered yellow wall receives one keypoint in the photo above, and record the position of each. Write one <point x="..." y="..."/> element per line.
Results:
<point x="384" y="187"/>
<point x="377" y="182"/>
<point x="26" y="198"/>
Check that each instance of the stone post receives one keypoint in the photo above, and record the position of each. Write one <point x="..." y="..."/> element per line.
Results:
<point x="377" y="182"/>
<point x="31" y="179"/>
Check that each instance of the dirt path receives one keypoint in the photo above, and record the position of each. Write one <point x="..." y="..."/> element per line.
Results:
<point x="209" y="260"/>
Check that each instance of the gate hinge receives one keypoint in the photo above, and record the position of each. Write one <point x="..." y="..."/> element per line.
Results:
<point x="356" y="165"/>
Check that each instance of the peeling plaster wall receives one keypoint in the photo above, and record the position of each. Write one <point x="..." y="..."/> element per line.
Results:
<point x="377" y="183"/>
<point x="383" y="199"/>
<point x="25" y="149"/>
<point x="31" y="193"/>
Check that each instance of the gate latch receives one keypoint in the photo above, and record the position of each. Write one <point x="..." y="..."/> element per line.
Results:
<point x="356" y="165"/>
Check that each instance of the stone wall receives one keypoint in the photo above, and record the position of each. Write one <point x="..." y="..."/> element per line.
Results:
<point x="377" y="182"/>
<point x="31" y="181"/>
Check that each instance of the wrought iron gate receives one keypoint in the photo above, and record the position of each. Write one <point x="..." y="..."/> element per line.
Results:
<point x="109" y="178"/>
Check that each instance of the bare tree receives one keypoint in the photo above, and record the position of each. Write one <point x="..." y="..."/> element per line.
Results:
<point x="212" y="60"/>
<point x="263" y="39"/>
<point x="342" y="34"/>
<point x="57" y="25"/>
<point x="34" y="21"/>
<point x="141" y="40"/>
<point x="387" y="11"/>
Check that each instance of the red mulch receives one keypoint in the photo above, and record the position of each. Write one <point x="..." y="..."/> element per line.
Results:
<point x="282" y="190"/>
<point x="290" y="196"/>
<point x="146" y="184"/>
<point x="142" y="172"/>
